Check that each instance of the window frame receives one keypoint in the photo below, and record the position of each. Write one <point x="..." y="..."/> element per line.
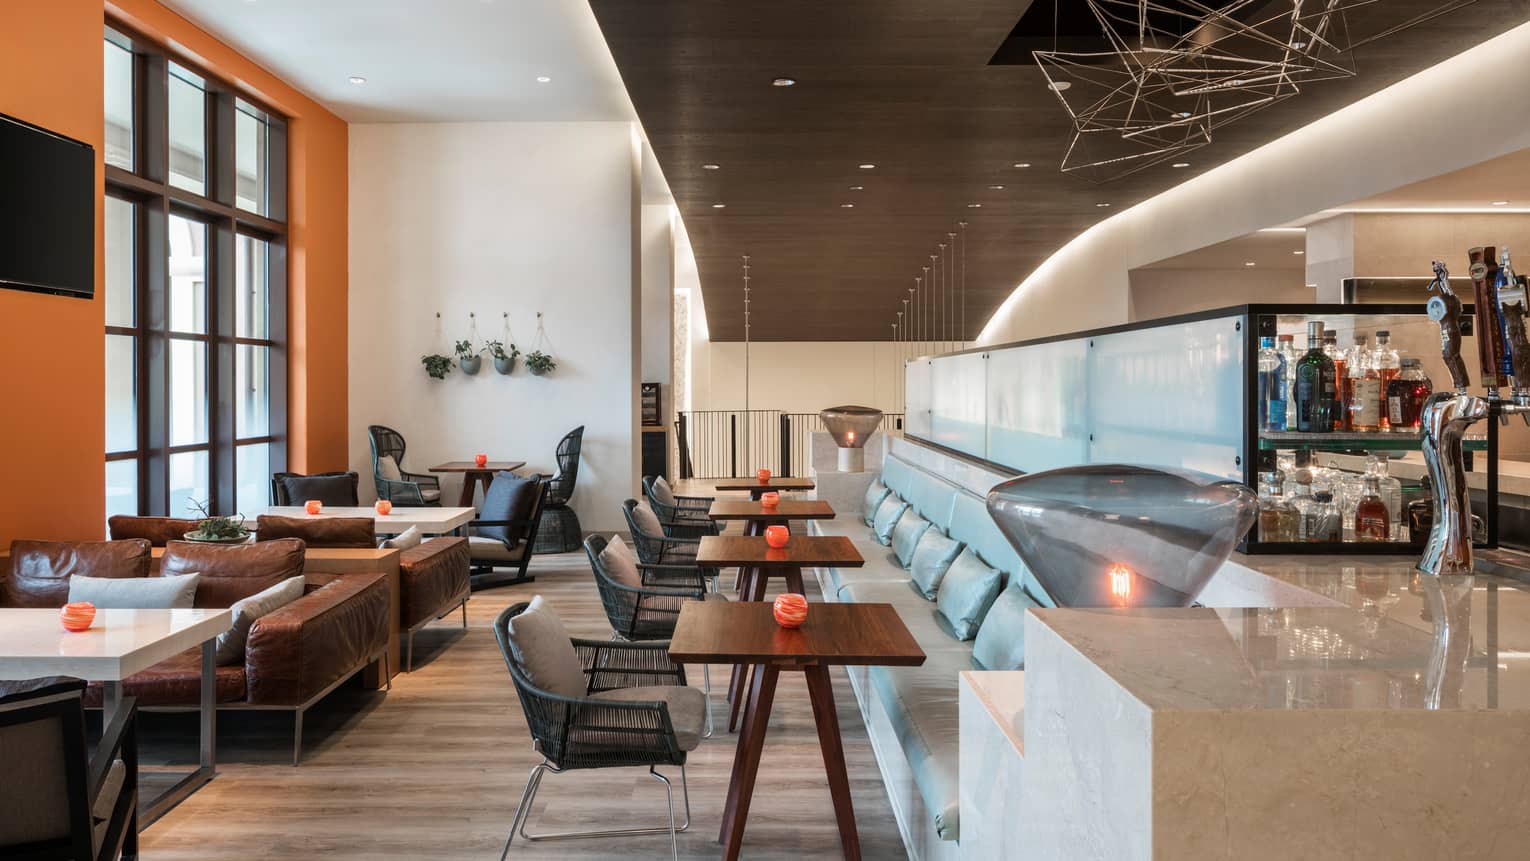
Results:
<point x="155" y="202"/>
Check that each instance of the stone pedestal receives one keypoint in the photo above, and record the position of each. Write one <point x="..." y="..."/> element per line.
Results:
<point x="844" y="490"/>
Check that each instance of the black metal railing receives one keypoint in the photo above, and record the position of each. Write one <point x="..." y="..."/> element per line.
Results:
<point x="733" y="443"/>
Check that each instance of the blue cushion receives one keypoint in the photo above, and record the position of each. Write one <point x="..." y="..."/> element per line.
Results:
<point x="932" y="557"/>
<point x="888" y="513"/>
<point x="1000" y="643"/>
<point x="911" y="527"/>
<point x="874" y="496"/>
<point x="932" y="497"/>
<point x="509" y="497"/>
<point x="966" y="593"/>
<point x="923" y="706"/>
<point x="897" y="475"/>
<point x="972" y="525"/>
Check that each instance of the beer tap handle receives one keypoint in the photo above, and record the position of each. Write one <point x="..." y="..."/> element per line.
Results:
<point x="1445" y="309"/>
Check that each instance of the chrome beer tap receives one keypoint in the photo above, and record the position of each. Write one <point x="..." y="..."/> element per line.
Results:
<point x="1447" y="415"/>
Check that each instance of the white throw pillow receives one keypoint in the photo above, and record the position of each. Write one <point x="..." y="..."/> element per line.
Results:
<point x="135" y="593"/>
<point x="246" y="610"/>
<point x="404" y="540"/>
<point x="387" y="467"/>
<point x="620" y="564"/>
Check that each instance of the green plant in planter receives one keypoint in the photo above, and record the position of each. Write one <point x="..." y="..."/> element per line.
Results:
<point x="503" y="362"/>
<point x="437" y="365"/>
<point x="217" y="530"/>
<point x="540" y="363"/>
<point x="468" y="357"/>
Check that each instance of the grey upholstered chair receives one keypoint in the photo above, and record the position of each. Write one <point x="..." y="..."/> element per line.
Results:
<point x="54" y="803"/>
<point x="626" y="706"/>
<point x="393" y="483"/>
<point x="561" y="532"/>
<point x="681" y="516"/>
<point x="331" y="488"/>
<point x="505" y="534"/>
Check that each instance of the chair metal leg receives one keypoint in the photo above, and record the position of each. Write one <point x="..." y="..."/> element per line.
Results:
<point x="464" y="614"/>
<point x="297" y="738"/>
<point x="669" y="799"/>
<point x="706" y="691"/>
<point x="409" y="653"/>
<point x="387" y="672"/>
<point x="524" y="808"/>
<point x="523" y="814"/>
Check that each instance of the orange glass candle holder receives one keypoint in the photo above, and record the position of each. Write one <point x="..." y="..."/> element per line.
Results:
<point x="763" y="475"/>
<point x="771" y="499"/>
<point x="313" y="506"/>
<point x="384" y="506"/>
<point x="777" y="536"/>
<point x="78" y="616"/>
<point x="480" y="459"/>
<point x="791" y="610"/>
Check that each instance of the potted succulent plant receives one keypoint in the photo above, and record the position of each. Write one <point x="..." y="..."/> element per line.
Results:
<point x="437" y="365"/>
<point x="503" y="362"/>
<point x="217" y="530"/>
<point x="539" y="363"/>
<point x="468" y="358"/>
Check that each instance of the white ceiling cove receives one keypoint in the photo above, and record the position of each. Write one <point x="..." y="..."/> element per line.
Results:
<point x="429" y="60"/>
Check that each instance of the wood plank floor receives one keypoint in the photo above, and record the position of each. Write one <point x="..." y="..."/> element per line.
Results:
<point x="434" y="768"/>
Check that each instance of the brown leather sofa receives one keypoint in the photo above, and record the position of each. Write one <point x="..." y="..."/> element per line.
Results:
<point x="433" y="576"/>
<point x="294" y="656"/>
<point x="158" y="531"/>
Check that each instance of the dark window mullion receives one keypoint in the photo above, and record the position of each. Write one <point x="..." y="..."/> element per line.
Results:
<point x="154" y="366"/>
<point x="221" y="367"/>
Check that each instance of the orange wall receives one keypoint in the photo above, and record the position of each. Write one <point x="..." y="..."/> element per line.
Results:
<point x="51" y="348"/>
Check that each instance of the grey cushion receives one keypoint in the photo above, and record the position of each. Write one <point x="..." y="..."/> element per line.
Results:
<point x="663" y="492"/>
<point x="933" y="556"/>
<point x="619" y="563"/>
<point x="246" y="610"/>
<point x="687" y="708"/>
<point x="482" y="549"/>
<point x="923" y="705"/>
<point x="330" y="488"/>
<point x="430" y="494"/>
<point x="509" y="497"/>
<point x="31" y="756"/>
<point x="647" y="521"/>
<point x="911" y="527"/>
<point x="1000" y="643"/>
<point x="888" y="513"/>
<point x="404" y="540"/>
<point x="387" y="468"/>
<point x="543" y="651"/>
<point x="135" y="593"/>
<point x="874" y="496"/>
<point x="967" y="592"/>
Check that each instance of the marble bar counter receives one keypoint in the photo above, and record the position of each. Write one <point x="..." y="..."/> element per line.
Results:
<point x="1394" y="725"/>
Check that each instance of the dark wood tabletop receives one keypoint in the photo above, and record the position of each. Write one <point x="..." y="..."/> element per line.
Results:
<point x="776" y="482"/>
<point x="787" y="509"/>
<point x="469" y="466"/>
<point x="801" y="551"/>
<point x="732" y="632"/>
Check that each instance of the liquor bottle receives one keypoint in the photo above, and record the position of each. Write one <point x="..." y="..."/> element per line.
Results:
<point x="1390" y="488"/>
<point x="1505" y="282"/>
<point x="1388" y="366"/>
<point x="1315" y="385"/>
<point x="1303" y="503"/>
<point x="1372" y="523"/>
<point x="1340" y="361"/>
<point x="1272" y="386"/>
<point x="1406" y="395"/>
<point x="1277" y="517"/>
<point x="1321" y="520"/>
<point x="1286" y="346"/>
<point x="1364" y="389"/>
<point x="1354" y="361"/>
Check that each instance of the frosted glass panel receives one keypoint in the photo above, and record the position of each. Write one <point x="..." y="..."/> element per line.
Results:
<point x="1169" y="396"/>
<point x="916" y="398"/>
<point x="1036" y="406"/>
<point x="959" y="403"/>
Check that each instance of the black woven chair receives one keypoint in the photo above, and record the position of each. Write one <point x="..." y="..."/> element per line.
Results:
<point x="582" y="732"/>
<point x="489" y="555"/>
<point x="650" y="613"/>
<point x="686" y="517"/>
<point x="561" y="532"/>
<point x="331" y="488"/>
<point x="658" y="549"/>
<point x="42" y="739"/>
<point x="404" y="488"/>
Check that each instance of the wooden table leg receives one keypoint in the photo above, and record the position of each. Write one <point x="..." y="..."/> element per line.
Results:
<point x="756" y="593"/>
<point x="469" y="485"/>
<point x="746" y="762"/>
<point x="740" y="677"/>
<point x="821" y="692"/>
<point x="794" y="581"/>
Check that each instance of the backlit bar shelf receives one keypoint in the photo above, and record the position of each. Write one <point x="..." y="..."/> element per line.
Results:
<point x="1353" y="441"/>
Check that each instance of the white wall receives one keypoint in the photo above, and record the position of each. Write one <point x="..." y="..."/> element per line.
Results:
<point x="1410" y="131"/>
<point x="493" y="218"/>
<point x="658" y="302"/>
<point x="1159" y="293"/>
<point x="797" y="376"/>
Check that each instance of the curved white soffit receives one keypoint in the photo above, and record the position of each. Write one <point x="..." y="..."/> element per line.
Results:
<point x="1470" y="108"/>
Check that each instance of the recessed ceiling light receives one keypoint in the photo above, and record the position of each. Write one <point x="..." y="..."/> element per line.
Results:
<point x="1311" y="285"/>
<point x="1298" y="253"/>
<point x="357" y="79"/>
<point x="857" y="188"/>
<point x="784" y="82"/>
<point x="1249" y="263"/>
<point x="1059" y="86"/>
<point x="711" y="167"/>
<point x="1102" y="206"/>
<point x="543" y="79"/>
<point x="719" y="205"/>
<point x="847" y="206"/>
<point x="995" y="188"/>
<point x="974" y="206"/>
<point x="1500" y="203"/>
<point x="867" y="166"/>
<point x="1022" y="164"/>
<point x="1180" y="165"/>
<point x="1184" y="115"/>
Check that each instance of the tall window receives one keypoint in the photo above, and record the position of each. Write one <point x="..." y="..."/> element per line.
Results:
<point x="195" y="288"/>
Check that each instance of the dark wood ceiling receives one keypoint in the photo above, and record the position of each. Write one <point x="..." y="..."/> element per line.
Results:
<point x="907" y="85"/>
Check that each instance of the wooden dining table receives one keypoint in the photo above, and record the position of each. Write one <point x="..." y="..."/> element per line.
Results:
<point x="758" y="562"/>
<point x="757" y="488"/>
<point x="756" y="515"/>
<point x="474" y="475"/>
<point x="745" y="633"/>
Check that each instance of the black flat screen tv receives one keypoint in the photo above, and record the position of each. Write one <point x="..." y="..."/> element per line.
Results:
<point x="47" y="211"/>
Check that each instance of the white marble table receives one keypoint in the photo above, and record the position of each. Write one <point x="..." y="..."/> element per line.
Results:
<point x="120" y="643"/>
<point x="429" y="520"/>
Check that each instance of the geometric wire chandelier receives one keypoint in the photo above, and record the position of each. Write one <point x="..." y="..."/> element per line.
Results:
<point x="1176" y="70"/>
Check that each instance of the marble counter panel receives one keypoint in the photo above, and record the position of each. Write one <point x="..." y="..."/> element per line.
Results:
<point x="992" y="762"/>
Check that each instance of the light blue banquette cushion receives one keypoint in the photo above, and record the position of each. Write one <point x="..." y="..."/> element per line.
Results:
<point x="932" y="558"/>
<point x="966" y="593"/>
<point x="874" y="496"/>
<point x="1000" y="643"/>
<point x="911" y="527"/>
<point x="888" y="514"/>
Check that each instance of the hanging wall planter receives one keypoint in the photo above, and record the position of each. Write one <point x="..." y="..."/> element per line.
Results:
<point x="504" y="360"/>
<point x="468" y="358"/>
<point x="437" y="365"/>
<point x="539" y="362"/>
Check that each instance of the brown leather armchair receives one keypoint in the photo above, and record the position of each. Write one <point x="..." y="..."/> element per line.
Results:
<point x="158" y="531"/>
<point x="356" y="532"/>
<point x="434" y="580"/>
<point x="293" y="657"/>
